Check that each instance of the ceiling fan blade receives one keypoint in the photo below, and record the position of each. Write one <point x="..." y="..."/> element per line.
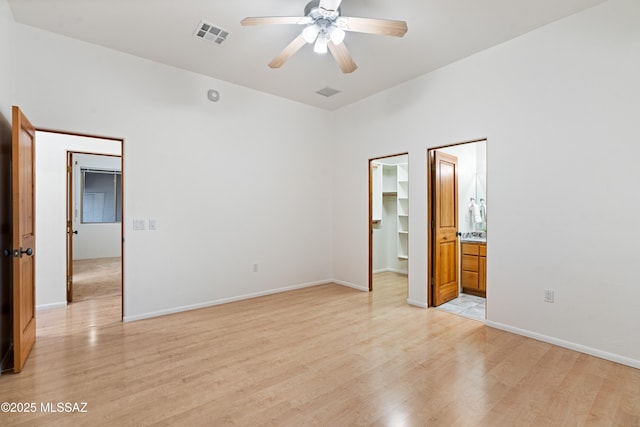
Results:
<point x="287" y="52"/>
<point x="385" y="27"/>
<point x="267" y="20"/>
<point x="330" y="5"/>
<point x="343" y="57"/>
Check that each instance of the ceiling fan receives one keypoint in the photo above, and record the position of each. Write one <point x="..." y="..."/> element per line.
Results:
<point x="325" y="27"/>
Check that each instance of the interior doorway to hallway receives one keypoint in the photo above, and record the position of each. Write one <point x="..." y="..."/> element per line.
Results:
<point x="389" y="222"/>
<point x="79" y="218"/>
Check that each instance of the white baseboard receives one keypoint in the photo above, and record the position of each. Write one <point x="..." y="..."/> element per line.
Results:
<point x="49" y="306"/>
<point x="416" y="303"/>
<point x="623" y="360"/>
<point x="351" y="285"/>
<point x="391" y="270"/>
<point x="220" y="301"/>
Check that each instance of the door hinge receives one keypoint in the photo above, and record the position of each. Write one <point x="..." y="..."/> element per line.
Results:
<point x="68" y="169"/>
<point x="433" y="224"/>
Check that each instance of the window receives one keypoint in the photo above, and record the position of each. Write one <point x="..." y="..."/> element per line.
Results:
<point x="101" y="196"/>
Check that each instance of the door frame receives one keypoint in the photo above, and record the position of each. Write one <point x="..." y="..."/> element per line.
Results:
<point x="122" y="248"/>
<point x="430" y="207"/>
<point x="370" y="212"/>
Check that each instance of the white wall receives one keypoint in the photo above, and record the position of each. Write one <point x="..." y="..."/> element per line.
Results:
<point x="7" y="92"/>
<point x="94" y="240"/>
<point x="51" y="210"/>
<point x="559" y="107"/>
<point x="231" y="184"/>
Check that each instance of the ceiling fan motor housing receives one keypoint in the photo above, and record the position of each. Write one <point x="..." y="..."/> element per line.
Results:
<point x="313" y="10"/>
<point x="323" y="27"/>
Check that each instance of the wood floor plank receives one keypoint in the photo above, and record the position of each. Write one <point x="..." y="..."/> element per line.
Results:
<point x="326" y="355"/>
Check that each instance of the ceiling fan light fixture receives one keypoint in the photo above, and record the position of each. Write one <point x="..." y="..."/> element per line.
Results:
<point x="337" y="35"/>
<point x="310" y="34"/>
<point x="321" y="45"/>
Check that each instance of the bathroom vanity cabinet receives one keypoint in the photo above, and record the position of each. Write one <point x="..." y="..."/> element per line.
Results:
<point x="474" y="268"/>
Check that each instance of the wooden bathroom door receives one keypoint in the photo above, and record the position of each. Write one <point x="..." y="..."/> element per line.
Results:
<point x="444" y="243"/>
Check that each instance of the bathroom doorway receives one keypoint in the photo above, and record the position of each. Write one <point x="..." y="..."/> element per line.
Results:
<point x="389" y="223"/>
<point x="459" y="287"/>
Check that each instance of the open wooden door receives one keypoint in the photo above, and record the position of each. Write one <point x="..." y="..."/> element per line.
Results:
<point x="444" y="238"/>
<point x="24" y="238"/>
<point x="70" y="231"/>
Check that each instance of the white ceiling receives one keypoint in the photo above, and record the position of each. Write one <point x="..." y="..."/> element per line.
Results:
<point x="440" y="32"/>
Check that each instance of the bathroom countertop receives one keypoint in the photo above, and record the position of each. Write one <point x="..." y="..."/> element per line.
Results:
<point x="474" y="237"/>
<point x="473" y="240"/>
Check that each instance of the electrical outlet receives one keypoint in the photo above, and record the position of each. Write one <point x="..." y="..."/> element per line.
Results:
<point x="548" y="295"/>
<point x="138" y="224"/>
<point x="255" y="268"/>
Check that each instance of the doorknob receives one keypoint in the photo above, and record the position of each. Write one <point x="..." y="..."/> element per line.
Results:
<point x="6" y="252"/>
<point x="75" y="232"/>
<point x="28" y="251"/>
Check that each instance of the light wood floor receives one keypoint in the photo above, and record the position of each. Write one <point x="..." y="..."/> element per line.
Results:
<point x="326" y="355"/>
<point x="96" y="278"/>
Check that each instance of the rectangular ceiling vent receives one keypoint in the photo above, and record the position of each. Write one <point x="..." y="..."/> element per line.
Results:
<point x="211" y="33"/>
<point x="327" y="91"/>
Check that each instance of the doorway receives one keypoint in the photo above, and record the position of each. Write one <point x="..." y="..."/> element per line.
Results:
<point x="70" y="167"/>
<point x="94" y="217"/>
<point x="389" y="223"/>
<point x="459" y="195"/>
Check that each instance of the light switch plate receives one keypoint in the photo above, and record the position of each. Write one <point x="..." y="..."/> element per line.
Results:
<point x="153" y="224"/>
<point x="549" y="295"/>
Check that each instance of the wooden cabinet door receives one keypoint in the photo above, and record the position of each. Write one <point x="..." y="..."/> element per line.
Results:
<point x="482" y="274"/>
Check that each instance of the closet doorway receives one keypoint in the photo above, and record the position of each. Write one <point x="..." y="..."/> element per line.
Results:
<point x="389" y="223"/>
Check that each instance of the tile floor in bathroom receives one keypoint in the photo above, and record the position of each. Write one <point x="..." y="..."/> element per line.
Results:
<point x="466" y="305"/>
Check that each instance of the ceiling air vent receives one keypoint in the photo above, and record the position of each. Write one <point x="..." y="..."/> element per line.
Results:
<point x="210" y="32"/>
<point x="327" y="91"/>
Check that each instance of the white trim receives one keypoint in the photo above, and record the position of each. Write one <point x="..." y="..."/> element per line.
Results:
<point x="351" y="285"/>
<point x="220" y="301"/>
<point x="623" y="360"/>
<point x="52" y="305"/>
<point x="416" y="303"/>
